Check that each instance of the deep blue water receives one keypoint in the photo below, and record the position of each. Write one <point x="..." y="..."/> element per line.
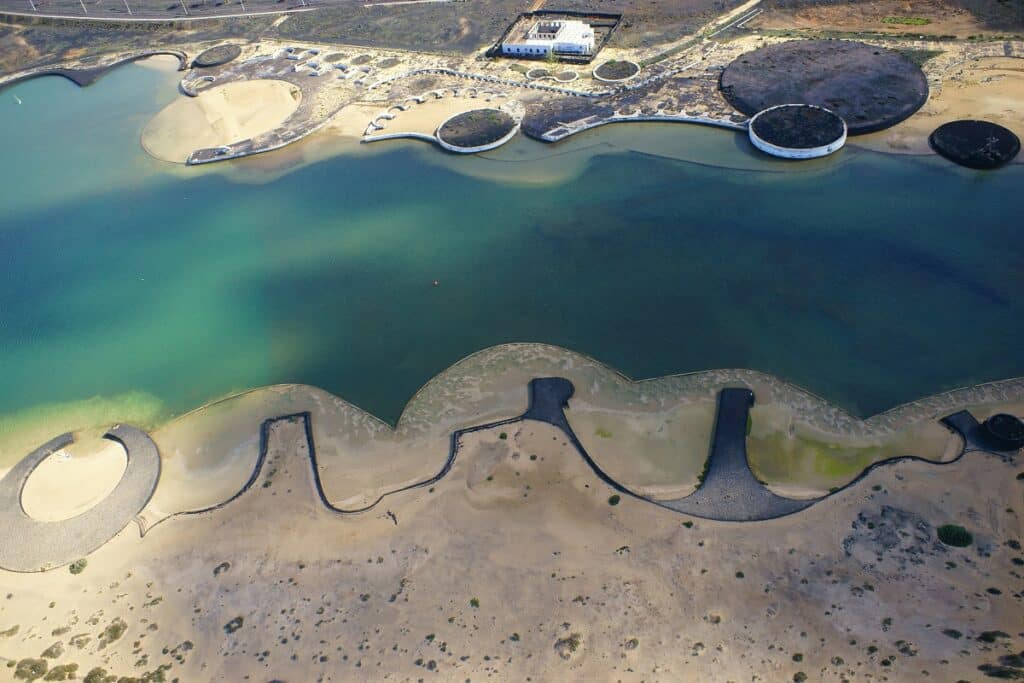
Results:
<point x="872" y="281"/>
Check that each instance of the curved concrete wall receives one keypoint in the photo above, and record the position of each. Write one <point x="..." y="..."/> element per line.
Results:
<point x="473" y="150"/>
<point x="795" y="152"/>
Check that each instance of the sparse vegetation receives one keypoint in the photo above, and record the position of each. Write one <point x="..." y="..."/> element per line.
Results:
<point x="603" y="433"/>
<point x="62" y="672"/>
<point x="113" y="632"/>
<point x="907" y="21"/>
<point x="78" y="566"/>
<point x="566" y="647"/>
<point x="30" y="669"/>
<point x="233" y="625"/>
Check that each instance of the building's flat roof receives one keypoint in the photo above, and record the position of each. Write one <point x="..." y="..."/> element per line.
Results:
<point x="571" y="29"/>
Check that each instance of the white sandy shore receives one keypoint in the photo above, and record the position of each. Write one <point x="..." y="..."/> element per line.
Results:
<point x="219" y="116"/>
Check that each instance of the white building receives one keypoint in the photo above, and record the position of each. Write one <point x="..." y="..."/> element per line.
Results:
<point x="560" y="36"/>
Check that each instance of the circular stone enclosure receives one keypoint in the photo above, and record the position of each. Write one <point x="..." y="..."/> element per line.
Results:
<point x="477" y="130"/>
<point x="616" y="70"/>
<point x="215" y="56"/>
<point x="797" y="131"/>
<point x="870" y="87"/>
<point x="975" y="144"/>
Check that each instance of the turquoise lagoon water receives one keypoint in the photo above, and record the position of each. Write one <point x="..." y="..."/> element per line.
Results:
<point x="869" y="279"/>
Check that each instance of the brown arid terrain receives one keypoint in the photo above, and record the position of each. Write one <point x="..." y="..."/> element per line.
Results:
<point x="929" y="18"/>
<point x="517" y="566"/>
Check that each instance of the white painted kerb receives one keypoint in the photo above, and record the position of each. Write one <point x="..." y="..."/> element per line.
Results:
<point x="473" y="150"/>
<point x="795" y="152"/>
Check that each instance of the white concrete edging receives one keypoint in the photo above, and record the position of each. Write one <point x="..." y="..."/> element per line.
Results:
<point x="796" y="152"/>
<point x="480" y="148"/>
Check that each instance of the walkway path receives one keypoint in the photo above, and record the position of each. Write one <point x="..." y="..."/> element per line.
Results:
<point x="729" y="492"/>
<point x="29" y="545"/>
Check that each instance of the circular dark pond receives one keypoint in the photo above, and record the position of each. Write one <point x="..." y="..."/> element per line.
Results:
<point x="215" y="56"/>
<point x="870" y="87"/>
<point x="476" y="128"/>
<point x="798" y="126"/>
<point x="1005" y="432"/>
<point x="616" y="70"/>
<point x="975" y="144"/>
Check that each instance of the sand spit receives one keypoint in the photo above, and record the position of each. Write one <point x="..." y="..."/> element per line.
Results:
<point x="518" y="564"/>
<point x="219" y="116"/>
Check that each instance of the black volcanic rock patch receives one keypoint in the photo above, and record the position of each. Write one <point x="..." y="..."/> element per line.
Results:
<point x="975" y="144"/>
<point x="1005" y="432"/>
<point x="870" y="87"/>
<point x="798" y="127"/>
<point x="613" y="70"/>
<point x="215" y="56"/>
<point x="476" y="128"/>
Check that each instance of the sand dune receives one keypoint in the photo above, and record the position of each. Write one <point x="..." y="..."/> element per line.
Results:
<point x="219" y="116"/>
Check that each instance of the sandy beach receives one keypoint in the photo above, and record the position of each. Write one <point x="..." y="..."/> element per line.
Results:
<point x="219" y="116"/>
<point x="422" y="586"/>
<point x="990" y="89"/>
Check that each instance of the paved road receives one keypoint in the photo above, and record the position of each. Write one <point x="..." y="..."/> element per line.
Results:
<point x="29" y="545"/>
<point x="123" y="11"/>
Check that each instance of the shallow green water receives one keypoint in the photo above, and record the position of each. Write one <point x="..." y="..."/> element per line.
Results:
<point x="871" y="280"/>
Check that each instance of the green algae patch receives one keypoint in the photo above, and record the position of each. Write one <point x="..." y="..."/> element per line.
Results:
<point x="779" y="458"/>
<point x="784" y="453"/>
<point x="25" y="430"/>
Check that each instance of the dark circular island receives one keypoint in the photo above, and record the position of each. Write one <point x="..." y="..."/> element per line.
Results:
<point x="871" y="88"/>
<point x="975" y="144"/>
<point x="476" y="131"/>
<point x="797" y="131"/>
<point x="616" y="70"/>
<point x="215" y="56"/>
<point x="1004" y="432"/>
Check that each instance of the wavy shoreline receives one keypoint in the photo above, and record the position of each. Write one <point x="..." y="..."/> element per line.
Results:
<point x="727" y="491"/>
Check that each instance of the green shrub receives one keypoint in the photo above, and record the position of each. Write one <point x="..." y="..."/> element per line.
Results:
<point x="954" y="535"/>
<point x="78" y="566"/>
<point x="907" y="21"/>
<point x="614" y="500"/>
